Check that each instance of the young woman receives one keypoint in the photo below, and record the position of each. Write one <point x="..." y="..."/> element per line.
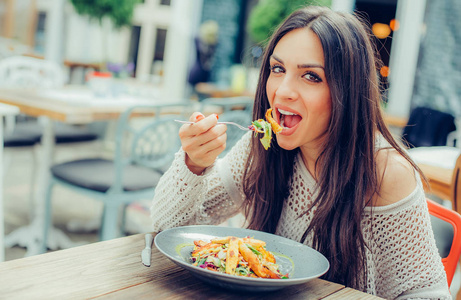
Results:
<point x="334" y="178"/>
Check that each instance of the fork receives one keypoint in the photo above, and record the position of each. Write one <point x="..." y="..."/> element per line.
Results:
<point x="227" y="123"/>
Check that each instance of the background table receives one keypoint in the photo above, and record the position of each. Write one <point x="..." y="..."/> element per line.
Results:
<point x="439" y="180"/>
<point x="437" y="164"/>
<point x="113" y="270"/>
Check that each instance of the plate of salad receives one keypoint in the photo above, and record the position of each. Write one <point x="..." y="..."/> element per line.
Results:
<point x="241" y="259"/>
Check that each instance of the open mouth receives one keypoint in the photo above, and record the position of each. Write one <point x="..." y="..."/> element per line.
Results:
<point x="288" y="119"/>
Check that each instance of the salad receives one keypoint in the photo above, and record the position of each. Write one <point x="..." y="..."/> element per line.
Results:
<point x="246" y="257"/>
<point x="266" y="127"/>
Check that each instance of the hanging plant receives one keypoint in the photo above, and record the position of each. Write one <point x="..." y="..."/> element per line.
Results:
<point x="119" y="12"/>
<point x="268" y="14"/>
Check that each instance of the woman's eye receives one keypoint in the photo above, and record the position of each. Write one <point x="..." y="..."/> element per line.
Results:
<point x="276" y="69"/>
<point x="312" y="77"/>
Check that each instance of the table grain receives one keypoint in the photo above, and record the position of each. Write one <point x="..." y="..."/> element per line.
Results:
<point x="113" y="270"/>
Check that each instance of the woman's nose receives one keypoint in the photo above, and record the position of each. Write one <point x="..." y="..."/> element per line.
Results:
<point x="287" y="89"/>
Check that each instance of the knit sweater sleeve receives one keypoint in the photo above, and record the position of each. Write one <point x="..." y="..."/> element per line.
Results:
<point x="404" y="262"/>
<point x="183" y="198"/>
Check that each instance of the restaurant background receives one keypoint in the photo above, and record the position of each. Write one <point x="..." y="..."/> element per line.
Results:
<point x="418" y="41"/>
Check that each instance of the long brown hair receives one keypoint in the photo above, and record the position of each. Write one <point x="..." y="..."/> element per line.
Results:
<point x="347" y="178"/>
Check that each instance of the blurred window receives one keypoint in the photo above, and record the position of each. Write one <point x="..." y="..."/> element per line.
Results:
<point x="134" y="46"/>
<point x="39" y="46"/>
<point x="160" y="44"/>
<point x="157" y="63"/>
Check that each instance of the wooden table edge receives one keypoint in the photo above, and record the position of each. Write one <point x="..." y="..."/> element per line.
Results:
<point x="129" y="257"/>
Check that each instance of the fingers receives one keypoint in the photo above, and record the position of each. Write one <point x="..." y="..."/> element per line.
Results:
<point x="209" y="140"/>
<point x="202" y="141"/>
<point x="196" y="116"/>
<point x="200" y="126"/>
<point x="217" y="142"/>
<point x="198" y="159"/>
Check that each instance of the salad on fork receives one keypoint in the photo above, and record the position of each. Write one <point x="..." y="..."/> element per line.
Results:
<point x="266" y="127"/>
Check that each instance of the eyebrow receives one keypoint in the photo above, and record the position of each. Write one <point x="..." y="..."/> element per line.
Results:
<point x="300" y="66"/>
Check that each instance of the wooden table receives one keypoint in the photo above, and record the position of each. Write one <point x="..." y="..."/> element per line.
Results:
<point x="210" y="90"/>
<point x="113" y="270"/>
<point x="73" y="64"/>
<point x="72" y="105"/>
<point x="439" y="180"/>
<point x="438" y="164"/>
<point x="394" y="121"/>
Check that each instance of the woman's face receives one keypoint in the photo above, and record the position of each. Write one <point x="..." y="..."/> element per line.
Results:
<point x="298" y="91"/>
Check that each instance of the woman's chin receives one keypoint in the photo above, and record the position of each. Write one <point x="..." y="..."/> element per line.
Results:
<point x="286" y="145"/>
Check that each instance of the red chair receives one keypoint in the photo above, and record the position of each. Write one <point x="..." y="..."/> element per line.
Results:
<point x="450" y="216"/>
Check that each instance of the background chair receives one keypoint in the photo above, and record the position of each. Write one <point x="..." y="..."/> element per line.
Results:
<point x="450" y="261"/>
<point x="234" y="109"/>
<point x="27" y="72"/>
<point x="456" y="186"/>
<point x="5" y="110"/>
<point x="141" y="156"/>
<point x="437" y="164"/>
<point x="428" y="127"/>
<point x="23" y="71"/>
<point x="456" y="196"/>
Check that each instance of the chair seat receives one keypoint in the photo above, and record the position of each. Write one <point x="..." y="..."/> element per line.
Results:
<point x="98" y="175"/>
<point x="18" y="139"/>
<point x="64" y="133"/>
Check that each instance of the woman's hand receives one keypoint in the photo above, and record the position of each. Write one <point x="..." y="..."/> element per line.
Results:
<point x="202" y="141"/>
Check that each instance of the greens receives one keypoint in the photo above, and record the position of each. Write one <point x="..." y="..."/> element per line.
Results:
<point x="262" y="126"/>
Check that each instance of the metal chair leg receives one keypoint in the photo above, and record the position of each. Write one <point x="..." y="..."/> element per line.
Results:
<point x="109" y="224"/>
<point x="124" y="215"/>
<point x="47" y="218"/>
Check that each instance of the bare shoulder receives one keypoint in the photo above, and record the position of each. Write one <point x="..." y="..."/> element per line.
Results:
<point x="396" y="177"/>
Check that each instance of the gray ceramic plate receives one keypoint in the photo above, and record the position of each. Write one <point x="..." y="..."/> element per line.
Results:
<point x="301" y="262"/>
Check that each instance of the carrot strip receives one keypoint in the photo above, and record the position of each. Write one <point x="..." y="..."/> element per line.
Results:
<point x="275" y="126"/>
<point x="232" y="258"/>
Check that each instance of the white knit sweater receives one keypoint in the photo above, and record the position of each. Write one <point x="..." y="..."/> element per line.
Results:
<point x="402" y="259"/>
